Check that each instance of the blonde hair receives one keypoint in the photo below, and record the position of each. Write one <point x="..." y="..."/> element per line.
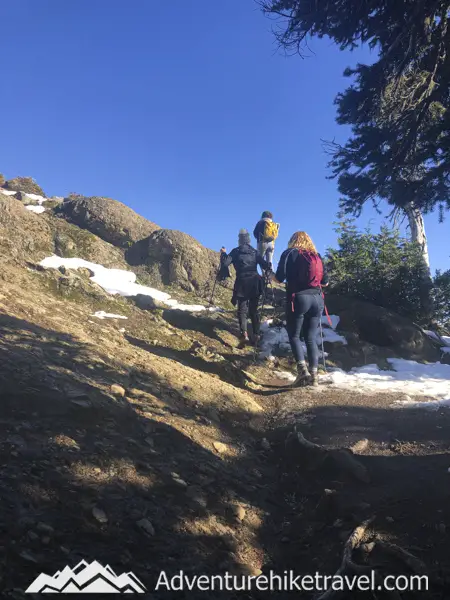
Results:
<point x="302" y="241"/>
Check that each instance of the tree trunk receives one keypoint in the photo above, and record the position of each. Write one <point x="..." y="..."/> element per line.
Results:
<point x="418" y="235"/>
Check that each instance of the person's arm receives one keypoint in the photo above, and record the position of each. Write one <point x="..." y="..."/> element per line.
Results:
<point x="226" y="259"/>
<point x="325" y="279"/>
<point x="257" y="231"/>
<point x="280" y="275"/>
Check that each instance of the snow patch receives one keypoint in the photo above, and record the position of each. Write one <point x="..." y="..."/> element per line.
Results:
<point x="334" y="321"/>
<point x="101" y="314"/>
<point x="35" y="209"/>
<point x="273" y="337"/>
<point x="8" y="192"/>
<point x="432" y="335"/>
<point x="285" y="375"/>
<point x="35" y="197"/>
<point x="406" y="377"/>
<point x="120" y="282"/>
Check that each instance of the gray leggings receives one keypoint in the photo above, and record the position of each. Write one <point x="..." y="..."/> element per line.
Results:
<point x="266" y="250"/>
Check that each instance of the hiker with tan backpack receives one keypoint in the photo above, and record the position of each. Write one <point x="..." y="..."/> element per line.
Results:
<point x="266" y="232"/>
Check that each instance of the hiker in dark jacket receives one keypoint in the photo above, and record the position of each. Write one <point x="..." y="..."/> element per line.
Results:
<point x="302" y="268"/>
<point x="248" y="286"/>
<point x="265" y="246"/>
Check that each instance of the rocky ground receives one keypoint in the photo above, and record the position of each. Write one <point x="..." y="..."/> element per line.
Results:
<point x="153" y="444"/>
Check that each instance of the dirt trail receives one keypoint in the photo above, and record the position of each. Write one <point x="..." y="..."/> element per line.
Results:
<point x="150" y="449"/>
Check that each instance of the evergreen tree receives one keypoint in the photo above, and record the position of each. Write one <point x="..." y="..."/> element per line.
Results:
<point x="382" y="268"/>
<point x="397" y="107"/>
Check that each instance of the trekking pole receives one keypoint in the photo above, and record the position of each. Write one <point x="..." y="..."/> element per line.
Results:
<point x="214" y="288"/>
<point x="255" y="351"/>
<point x="321" y="339"/>
<point x="273" y="301"/>
<point x="215" y="281"/>
<point x="321" y="328"/>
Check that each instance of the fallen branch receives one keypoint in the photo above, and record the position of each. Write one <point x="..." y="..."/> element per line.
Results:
<point x="348" y="566"/>
<point x="414" y="563"/>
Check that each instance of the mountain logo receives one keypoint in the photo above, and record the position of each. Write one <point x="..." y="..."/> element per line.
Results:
<point x="86" y="578"/>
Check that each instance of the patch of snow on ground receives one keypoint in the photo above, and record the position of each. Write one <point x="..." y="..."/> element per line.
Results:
<point x="329" y="335"/>
<point x="273" y="337"/>
<point x="334" y="321"/>
<point x="101" y="314"/>
<point x="406" y="377"/>
<point x="36" y="209"/>
<point x="285" y="375"/>
<point x="39" y="199"/>
<point x="432" y="335"/>
<point x="446" y="339"/>
<point x="120" y="282"/>
<point x="8" y="192"/>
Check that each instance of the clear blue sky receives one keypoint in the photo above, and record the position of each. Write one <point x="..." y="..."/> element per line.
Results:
<point x="184" y="110"/>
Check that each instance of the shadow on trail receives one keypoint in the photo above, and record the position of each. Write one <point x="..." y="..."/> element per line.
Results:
<point x="136" y="458"/>
<point x="68" y="446"/>
<point x="208" y="326"/>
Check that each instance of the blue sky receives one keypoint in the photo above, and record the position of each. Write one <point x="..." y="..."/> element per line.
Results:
<point x="184" y="111"/>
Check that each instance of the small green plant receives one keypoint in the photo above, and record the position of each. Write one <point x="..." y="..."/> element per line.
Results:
<point x="441" y="297"/>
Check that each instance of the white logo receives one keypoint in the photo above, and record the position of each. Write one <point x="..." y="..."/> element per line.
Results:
<point x="87" y="578"/>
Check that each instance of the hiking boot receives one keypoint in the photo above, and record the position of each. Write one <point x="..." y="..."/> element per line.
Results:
<point x="243" y="341"/>
<point x="314" y="380"/>
<point x="303" y="375"/>
<point x="256" y="340"/>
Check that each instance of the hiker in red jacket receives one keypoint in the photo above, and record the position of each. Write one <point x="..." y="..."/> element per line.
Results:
<point x="302" y="268"/>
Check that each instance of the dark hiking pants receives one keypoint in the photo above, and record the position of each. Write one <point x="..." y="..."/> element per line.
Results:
<point x="308" y="309"/>
<point x="248" y="308"/>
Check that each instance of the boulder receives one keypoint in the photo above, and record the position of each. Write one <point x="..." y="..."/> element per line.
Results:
<point x="24" y="184"/>
<point x="147" y="302"/>
<point x="71" y="241"/>
<point x="26" y="199"/>
<point x="22" y="236"/>
<point x="72" y="286"/>
<point x="381" y="327"/>
<point x="109" y="219"/>
<point x="175" y="258"/>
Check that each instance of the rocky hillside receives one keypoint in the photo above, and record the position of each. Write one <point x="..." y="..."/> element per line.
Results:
<point x="110" y="220"/>
<point x="148" y="441"/>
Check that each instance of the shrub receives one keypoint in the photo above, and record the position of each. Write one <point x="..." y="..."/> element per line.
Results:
<point x="2" y="180"/>
<point x="441" y="297"/>
<point x="24" y="184"/>
<point x="382" y="268"/>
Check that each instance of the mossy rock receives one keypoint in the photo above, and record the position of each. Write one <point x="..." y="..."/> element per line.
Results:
<point x="24" y="184"/>
<point x="109" y="219"/>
